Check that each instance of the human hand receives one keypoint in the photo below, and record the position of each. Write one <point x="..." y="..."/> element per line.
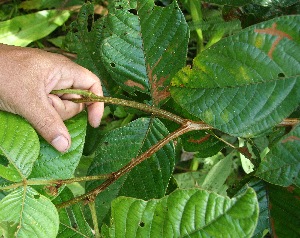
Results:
<point x="27" y="76"/>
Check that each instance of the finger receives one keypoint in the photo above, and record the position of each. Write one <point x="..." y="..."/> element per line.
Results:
<point x="95" y="110"/>
<point x="48" y="123"/>
<point x="86" y="80"/>
<point x="95" y="113"/>
<point x="66" y="109"/>
<point x="75" y="76"/>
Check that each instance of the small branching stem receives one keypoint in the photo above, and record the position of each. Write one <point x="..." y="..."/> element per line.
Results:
<point x="186" y="126"/>
<point x="90" y="196"/>
<point x="55" y="182"/>
<point x="92" y="207"/>
<point x="91" y="97"/>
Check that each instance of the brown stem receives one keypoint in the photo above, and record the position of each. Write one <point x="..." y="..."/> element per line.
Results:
<point x="55" y="182"/>
<point x="289" y="122"/>
<point x="87" y="96"/>
<point x="186" y="126"/>
<point x="90" y="196"/>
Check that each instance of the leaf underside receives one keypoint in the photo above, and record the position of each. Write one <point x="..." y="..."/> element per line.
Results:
<point x="147" y="180"/>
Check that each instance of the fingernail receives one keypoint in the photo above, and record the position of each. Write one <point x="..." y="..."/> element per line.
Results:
<point x="61" y="143"/>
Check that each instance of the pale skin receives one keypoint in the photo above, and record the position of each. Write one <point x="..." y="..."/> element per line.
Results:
<point x="27" y="76"/>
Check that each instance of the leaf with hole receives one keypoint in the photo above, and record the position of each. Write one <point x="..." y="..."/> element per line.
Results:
<point x="185" y="213"/>
<point x="135" y="59"/>
<point x="148" y="179"/>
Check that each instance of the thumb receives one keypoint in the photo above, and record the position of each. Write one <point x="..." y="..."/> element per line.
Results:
<point x="49" y="125"/>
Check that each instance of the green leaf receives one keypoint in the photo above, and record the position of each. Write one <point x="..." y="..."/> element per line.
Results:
<point x="52" y="164"/>
<point x="185" y="213"/>
<point x="246" y="83"/>
<point x="217" y="176"/>
<point x="147" y="180"/>
<point x="134" y="57"/>
<point x="189" y="179"/>
<point x="26" y="213"/>
<point x="230" y="2"/>
<point x="10" y="173"/>
<point x="121" y="47"/>
<point x="276" y="3"/>
<point x="264" y="217"/>
<point x="22" y="30"/>
<point x="19" y="143"/>
<point x="263" y="223"/>
<point x="85" y="42"/>
<point x="284" y="211"/>
<point x="278" y="209"/>
<point x="282" y="164"/>
<point x="72" y="220"/>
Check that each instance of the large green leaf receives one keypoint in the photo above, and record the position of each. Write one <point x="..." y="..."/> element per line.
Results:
<point x="282" y="164"/>
<point x="149" y="179"/>
<point x="22" y="30"/>
<point x="19" y="143"/>
<point x="138" y="45"/>
<point x="246" y="83"/>
<point x="146" y="49"/>
<point x="185" y="213"/>
<point x="85" y="42"/>
<point x="71" y="219"/>
<point x="26" y="213"/>
<point x="52" y="164"/>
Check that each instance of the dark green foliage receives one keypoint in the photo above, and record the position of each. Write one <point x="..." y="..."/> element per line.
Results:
<point x="238" y="179"/>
